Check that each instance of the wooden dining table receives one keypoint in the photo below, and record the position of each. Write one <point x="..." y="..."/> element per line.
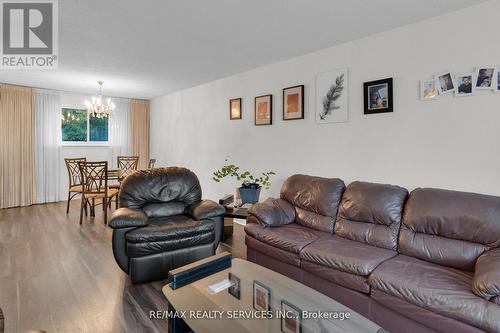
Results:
<point x="113" y="174"/>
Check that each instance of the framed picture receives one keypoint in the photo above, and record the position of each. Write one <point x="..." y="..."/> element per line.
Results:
<point x="465" y="85"/>
<point x="445" y="83"/>
<point x="235" y="108"/>
<point x="261" y="297"/>
<point x="264" y="110"/>
<point x="235" y="288"/>
<point x="378" y="96"/>
<point x="293" y="103"/>
<point x="485" y="77"/>
<point x="428" y="90"/>
<point x="291" y="321"/>
<point x="332" y="100"/>
<point x="498" y="81"/>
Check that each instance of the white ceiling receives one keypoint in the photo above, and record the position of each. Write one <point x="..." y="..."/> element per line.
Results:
<point x="144" y="49"/>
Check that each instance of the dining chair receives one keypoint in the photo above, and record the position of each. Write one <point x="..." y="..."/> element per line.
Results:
<point x="152" y="162"/>
<point x="127" y="165"/>
<point x="94" y="177"/>
<point x="75" y="181"/>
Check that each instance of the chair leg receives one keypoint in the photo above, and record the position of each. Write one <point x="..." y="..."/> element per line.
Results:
<point x="82" y="207"/>
<point x="69" y="199"/>
<point x="116" y="202"/>
<point x="86" y="204"/>
<point x="93" y="207"/>
<point x="105" y="206"/>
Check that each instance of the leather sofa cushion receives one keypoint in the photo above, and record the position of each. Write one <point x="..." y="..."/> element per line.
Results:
<point x="170" y="228"/>
<point x="348" y="280"/>
<point x="205" y="209"/>
<point x="428" y="318"/>
<point x="314" y="221"/>
<point x="448" y="227"/>
<point x="371" y="213"/>
<point x="315" y="194"/>
<point x="127" y="218"/>
<point x="164" y="209"/>
<point x="271" y="251"/>
<point x="345" y="255"/>
<point x="486" y="281"/>
<point x="273" y="212"/>
<point x="160" y="185"/>
<point x="291" y="237"/>
<point x="135" y="250"/>
<point x="168" y="234"/>
<point x="444" y="290"/>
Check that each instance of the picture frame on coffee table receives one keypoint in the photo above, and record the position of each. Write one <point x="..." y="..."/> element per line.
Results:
<point x="293" y="103"/>
<point x="261" y="297"/>
<point x="235" y="289"/>
<point x="291" y="319"/>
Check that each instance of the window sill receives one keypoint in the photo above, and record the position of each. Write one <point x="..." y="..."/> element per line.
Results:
<point x="85" y="144"/>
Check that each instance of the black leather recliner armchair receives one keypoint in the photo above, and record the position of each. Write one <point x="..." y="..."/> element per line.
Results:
<point x="162" y="223"/>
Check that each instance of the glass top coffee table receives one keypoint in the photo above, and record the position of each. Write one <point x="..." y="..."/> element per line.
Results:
<point x="268" y="302"/>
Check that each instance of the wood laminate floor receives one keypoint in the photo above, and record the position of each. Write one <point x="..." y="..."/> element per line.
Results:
<point x="58" y="276"/>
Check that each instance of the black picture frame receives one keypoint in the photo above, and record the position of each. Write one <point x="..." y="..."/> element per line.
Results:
<point x="270" y="96"/>
<point x="299" y="316"/>
<point x="234" y="290"/>
<point x="367" y="96"/>
<point x="301" y="86"/>
<point x="260" y="285"/>
<point x="230" y="113"/>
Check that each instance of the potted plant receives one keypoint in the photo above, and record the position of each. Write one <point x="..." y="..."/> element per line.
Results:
<point x="251" y="185"/>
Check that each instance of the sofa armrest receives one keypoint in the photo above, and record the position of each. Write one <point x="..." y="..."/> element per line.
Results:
<point x="486" y="280"/>
<point x="127" y="218"/>
<point x="272" y="213"/>
<point x="205" y="209"/>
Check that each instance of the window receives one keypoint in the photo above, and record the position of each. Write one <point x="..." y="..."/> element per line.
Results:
<point x="78" y="127"/>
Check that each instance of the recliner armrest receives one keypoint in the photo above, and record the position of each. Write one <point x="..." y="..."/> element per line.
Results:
<point x="272" y="213"/>
<point x="127" y="218"/>
<point x="486" y="280"/>
<point x="205" y="209"/>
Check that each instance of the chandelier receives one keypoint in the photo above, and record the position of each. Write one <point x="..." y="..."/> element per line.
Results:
<point x="98" y="108"/>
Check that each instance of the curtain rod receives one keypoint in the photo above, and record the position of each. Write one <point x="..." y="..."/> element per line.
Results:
<point x="70" y="92"/>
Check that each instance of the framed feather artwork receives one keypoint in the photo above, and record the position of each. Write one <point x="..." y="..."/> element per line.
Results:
<point x="332" y="97"/>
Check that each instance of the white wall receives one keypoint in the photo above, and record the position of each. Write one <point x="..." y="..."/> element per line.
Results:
<point x="93" y="153"/>
<point x="450" y="143"/>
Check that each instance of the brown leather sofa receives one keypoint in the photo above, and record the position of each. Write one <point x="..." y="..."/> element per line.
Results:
<point x="428" y="261"/>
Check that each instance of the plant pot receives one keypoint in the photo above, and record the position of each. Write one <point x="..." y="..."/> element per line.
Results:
<point x="249" y="195"/>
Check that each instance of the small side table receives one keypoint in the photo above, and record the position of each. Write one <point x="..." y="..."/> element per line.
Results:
<point x="232" y="213"/>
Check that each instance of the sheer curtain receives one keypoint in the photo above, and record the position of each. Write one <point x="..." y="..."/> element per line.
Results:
<point x="140" y="131"/>
<point x="47" y="145"/>
<point x="119" y="130"/>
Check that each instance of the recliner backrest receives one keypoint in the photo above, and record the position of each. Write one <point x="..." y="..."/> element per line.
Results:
<point x="449" y="228"/>
<point x="316" y="200"/>
<point x="371" y="213"/>
<point x="160" y="185"/>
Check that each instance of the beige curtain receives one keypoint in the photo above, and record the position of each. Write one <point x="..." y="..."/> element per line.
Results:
<point x="139" y="121"/>
<point x="17" y="146"/>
